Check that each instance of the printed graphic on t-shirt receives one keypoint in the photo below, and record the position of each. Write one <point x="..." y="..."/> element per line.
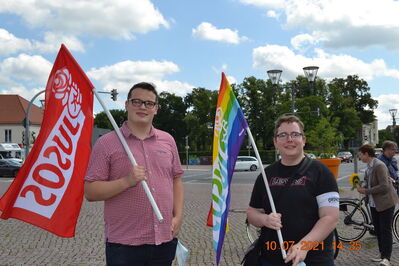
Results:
<point x="282" y="181"/>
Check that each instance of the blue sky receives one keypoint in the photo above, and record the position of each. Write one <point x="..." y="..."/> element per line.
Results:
<point x="180" y="45"/>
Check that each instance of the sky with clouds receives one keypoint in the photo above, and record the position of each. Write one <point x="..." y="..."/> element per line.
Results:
<point x="180" y="45"/>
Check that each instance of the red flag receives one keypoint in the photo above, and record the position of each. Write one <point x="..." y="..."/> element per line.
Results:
<point x="48" y="190"/>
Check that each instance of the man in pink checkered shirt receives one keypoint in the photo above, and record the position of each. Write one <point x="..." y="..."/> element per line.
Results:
<point x="134" y="236"/>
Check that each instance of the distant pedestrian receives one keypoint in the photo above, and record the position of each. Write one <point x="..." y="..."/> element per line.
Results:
<point x="389" y="149"/>
<point x="381" y="198"/>
<point x="133" y="234"/>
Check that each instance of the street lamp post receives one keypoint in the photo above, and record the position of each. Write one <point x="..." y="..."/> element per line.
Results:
<point x="27" y="123"/>
<point x="393" y="114"/>
<point x="187" y="148"/>
<point x="310" y="73"/>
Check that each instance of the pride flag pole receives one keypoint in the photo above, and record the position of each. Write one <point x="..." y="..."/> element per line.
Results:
<point x="130" y="155"/>
<point x="269" y="194"/>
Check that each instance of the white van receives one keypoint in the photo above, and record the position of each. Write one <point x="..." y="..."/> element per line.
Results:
<point x="11" y="151"/>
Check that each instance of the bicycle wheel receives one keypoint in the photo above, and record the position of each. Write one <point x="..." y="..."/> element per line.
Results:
<point x="253" y="232"/>
<point x="395" y="225"/>
<point x="352" y="218"/>
<point x="335" y="240"/>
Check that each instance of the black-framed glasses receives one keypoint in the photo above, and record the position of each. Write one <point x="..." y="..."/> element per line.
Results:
<point x="293" y="135"/>
<point x="138" y="103"/>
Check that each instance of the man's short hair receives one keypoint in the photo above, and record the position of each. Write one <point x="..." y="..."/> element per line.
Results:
<point x="389" y="145"/>
<point x="288" y="119"/>
<point x="367" y="148"/>
<point x="145" y="86"/>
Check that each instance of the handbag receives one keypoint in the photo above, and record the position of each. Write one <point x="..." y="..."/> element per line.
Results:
<point x="253" y="252"/>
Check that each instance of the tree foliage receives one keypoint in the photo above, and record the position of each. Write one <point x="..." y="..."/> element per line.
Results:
<point x="170" y="116"/>
<point x="101" y="120"/>
<point x="332" y="112"/>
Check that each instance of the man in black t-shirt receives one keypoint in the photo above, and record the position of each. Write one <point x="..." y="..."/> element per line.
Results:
<point x="307" y="205"/>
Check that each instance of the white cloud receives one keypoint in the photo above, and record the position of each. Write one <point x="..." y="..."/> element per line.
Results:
<point x="386" y="102"/>
<point x="207" y="31"/>
<point x="272" y="14"/>
<point x="278" y="4"/>
<point x="52" y="43"/>
<point x="112" y="18"/>
<point x="123" y="75"/>
<point x="301" y="41"/>
<point x="10" y="44"/>
<point x="331" y="66"/>
<point x="26" y="68"/>
<point x="341" y="23"/>
<point x="25" y="93"/>
<point x="232" y="80"/>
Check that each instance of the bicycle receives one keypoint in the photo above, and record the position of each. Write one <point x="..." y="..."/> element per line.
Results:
<point x="355" y="220"/>
<point x="253" y="233"/>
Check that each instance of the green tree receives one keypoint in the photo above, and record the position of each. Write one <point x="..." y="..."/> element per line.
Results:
<point x="258" y="100"/>
<point x="101" y="120"/>
<point x="352" y="92"/>
<point x="324" y="136"/>
<point x="170" y="117"/>
<point x="201" y="106"/>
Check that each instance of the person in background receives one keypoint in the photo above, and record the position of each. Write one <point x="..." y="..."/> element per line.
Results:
<point x="133" y="234"/>
<point x="307" y="205"/>
<point x="381" y="198"/>
<point x="389" y="149"/>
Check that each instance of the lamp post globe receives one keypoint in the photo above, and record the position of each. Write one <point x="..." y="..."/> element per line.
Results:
<point x="310" y="73"/>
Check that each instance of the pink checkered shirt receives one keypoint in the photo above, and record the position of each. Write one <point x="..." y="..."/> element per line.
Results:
<point x="129" y="218"/>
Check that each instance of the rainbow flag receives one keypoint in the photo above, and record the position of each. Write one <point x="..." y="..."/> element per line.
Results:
<point x="229" y="133"/>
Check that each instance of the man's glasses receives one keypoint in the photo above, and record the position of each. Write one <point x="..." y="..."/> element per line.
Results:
<point x="293" y="135"/>
<point x="147" y="104"/>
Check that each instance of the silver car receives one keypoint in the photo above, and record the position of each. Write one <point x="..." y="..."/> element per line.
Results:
<point x="247" y="163"/>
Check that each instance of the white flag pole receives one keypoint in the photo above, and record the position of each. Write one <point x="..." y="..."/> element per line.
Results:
<point x="269" y="194"/>
<point x="131" y="158"/>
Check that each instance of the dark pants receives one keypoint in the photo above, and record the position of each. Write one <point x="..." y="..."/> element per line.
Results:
<point x="144" y="255"/>
<point x="265" y="263"/>
<point x="382" y="224"/>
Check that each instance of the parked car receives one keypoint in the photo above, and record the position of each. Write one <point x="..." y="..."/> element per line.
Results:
<point x="8" y="168"/>
<point x="17" y="160"/>
<point x="378" y="151"/>
<point x="311" y="155"/>
<point x="247" y="163"/>
<point x="327" y="156"/>
<point x="345" y="156"/>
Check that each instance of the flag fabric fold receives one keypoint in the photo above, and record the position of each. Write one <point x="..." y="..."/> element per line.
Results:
<point x="48" y="189"/>
<point x="229" y="133"/>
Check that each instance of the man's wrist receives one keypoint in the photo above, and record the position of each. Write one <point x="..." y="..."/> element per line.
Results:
<point x="128" y="183"/>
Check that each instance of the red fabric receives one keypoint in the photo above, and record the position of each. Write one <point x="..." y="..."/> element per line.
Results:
<point x="48" y="190"/>
<point x="209" y="220"/>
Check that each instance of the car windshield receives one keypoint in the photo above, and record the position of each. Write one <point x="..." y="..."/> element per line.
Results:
<point x="13" y="163"/>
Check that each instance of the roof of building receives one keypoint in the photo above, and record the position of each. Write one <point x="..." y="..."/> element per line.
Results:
<point x="13" y="110"/>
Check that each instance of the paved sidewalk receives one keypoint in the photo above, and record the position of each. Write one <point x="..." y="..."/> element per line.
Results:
<point x="23" y="244"/>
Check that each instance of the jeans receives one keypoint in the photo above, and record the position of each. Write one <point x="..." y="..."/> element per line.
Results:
<point x="382" y="224"/>
<point x="144" y="255"/>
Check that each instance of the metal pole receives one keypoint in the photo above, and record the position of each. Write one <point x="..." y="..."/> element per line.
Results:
<point x="131" y="157"/>
<point x="293" y="99"/>
<point x="187" y="147"/>
<point x="27" y="124"/>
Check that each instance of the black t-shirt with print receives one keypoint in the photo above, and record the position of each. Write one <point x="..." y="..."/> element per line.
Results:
<point x="298" y="206"/>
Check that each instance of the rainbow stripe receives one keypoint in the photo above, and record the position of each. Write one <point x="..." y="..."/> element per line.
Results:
<point x="229" y="133"/>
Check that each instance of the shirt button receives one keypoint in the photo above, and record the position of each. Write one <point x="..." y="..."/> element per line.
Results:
<point x="153" y="189"/>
